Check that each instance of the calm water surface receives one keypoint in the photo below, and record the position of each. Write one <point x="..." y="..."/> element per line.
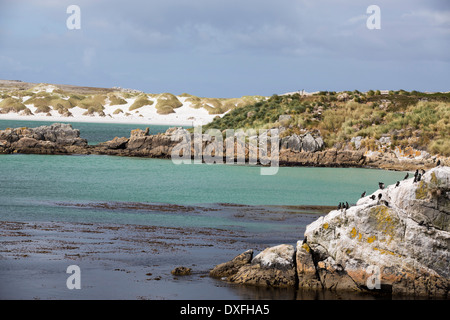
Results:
<point x="233" y="201"/>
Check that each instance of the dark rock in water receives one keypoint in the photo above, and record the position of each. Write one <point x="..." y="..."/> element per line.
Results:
<point x="53" y="139"/>
<point x="231" y="267"/>
<point x="114" y="144"/>
<point x="273" y="267"/>
<point x="60" y="133"/>
<point x="181" y="271"/>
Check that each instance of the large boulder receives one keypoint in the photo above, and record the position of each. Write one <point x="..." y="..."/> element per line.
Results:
<point x="399" y="244"/>
<point x="61" y="134"/>
<point x="273" y="267"/>
<point x="230" y="268"/>
<point x="55" y="138"/>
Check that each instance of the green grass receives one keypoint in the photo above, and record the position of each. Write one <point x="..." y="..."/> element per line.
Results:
<point x="93" y="103"/>
<point x="166" y="103"/>
<point x="12" y="105"/>
<point x="115" y="100"/>
<point x="140" y="101"/>
<point x="410" y="118"/>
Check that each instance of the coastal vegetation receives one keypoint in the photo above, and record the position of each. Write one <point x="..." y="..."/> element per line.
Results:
<point x="413" y="119"/>
<point x="140" y="101"/>
<point x="166" y="103"/>
<point x="416" y="119"/>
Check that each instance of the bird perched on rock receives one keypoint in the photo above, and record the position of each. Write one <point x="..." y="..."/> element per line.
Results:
<point x="385" y="203"/>
<point x="438" y="163"/>
<point x="363" y="194"/>
<point x="407" y="176"/>
<point x="346" y="205"/>
<point x="381" y="185"/>
<point x="380" y="196"/>
<point x="339" y="206"/>
<point x="397" y="184"/>
<point x="419" y="176"/>
<point x="416" y="173"/>
<point x="372" y="197"/>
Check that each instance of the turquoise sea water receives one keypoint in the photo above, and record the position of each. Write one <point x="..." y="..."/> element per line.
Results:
<point x="32" y="184"/>
<point x="214" y="211"/>
<point x="93" y="132"/>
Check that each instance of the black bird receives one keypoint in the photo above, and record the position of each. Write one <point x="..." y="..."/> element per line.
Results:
<point x="339" y="206"/>
<point x="397" y="184"/>
<point x="385" y="203"/>
<point x="381" y="185"/>
<point x="346" y="205"/>
<point x="363" y="194"/>
<point x="372" y="197"/>
<point x="416" y="173"/>
<point x="379" y="196"/>
<point x="419" y="177"/>
<point x="415" y="179"/>
<point x="406" y="177"/>
<point x="438" y="163"/>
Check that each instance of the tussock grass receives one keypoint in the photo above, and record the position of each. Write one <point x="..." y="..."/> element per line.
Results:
<point x="140" y="101"/>
<point x="166" y="103"/>
<point x="419" y="120"/>
<point x="115" y="100"/>
<point x="11" y="105"/>
<point x="93" y="103"/>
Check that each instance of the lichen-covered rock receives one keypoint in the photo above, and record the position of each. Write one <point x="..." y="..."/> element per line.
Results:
<point x="273" y="267"/>
<point x="402" y="240"/>
<point x="230" y="268"/>
<point x="51" y="139"/>
<point x="181" y="271"/>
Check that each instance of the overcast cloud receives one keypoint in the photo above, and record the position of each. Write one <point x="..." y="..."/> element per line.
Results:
<point x="228" y="48"/>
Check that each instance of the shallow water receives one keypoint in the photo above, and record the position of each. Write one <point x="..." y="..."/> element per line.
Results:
<point x="93" y="132"/>
<point x="121" y="219"/>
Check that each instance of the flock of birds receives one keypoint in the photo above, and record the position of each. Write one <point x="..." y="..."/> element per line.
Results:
<point x="417" y="177"/>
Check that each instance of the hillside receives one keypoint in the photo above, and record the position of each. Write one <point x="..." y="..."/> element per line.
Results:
<point x="403" y="119"/>
<point x="346" y="120"/>
<point x="31" y="101"/>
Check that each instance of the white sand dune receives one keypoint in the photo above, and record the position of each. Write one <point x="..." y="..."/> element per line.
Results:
<point x="147" y="114"/>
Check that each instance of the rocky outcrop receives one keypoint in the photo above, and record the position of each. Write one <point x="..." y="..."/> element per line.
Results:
<point x="274" y="267"/>
<point x="402" y="241"/>
<point x="396" y="244"/>
<point x="55" y="139"/>
<point x="231" y="267"/>
<point x="296" y="150"/>
<point x="299" y="143"/>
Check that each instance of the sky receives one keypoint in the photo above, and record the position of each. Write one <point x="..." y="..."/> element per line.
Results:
<point x="231" y="48"/>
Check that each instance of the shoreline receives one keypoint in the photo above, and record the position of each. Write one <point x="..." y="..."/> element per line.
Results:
<point x="61" y="138"/>
<point x="99" y="120"/>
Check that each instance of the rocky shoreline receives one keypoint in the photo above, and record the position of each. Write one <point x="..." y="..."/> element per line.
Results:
<point x="398" y="245"/>
<point x="305" y="150"/>
<point x="394" y="241"/>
